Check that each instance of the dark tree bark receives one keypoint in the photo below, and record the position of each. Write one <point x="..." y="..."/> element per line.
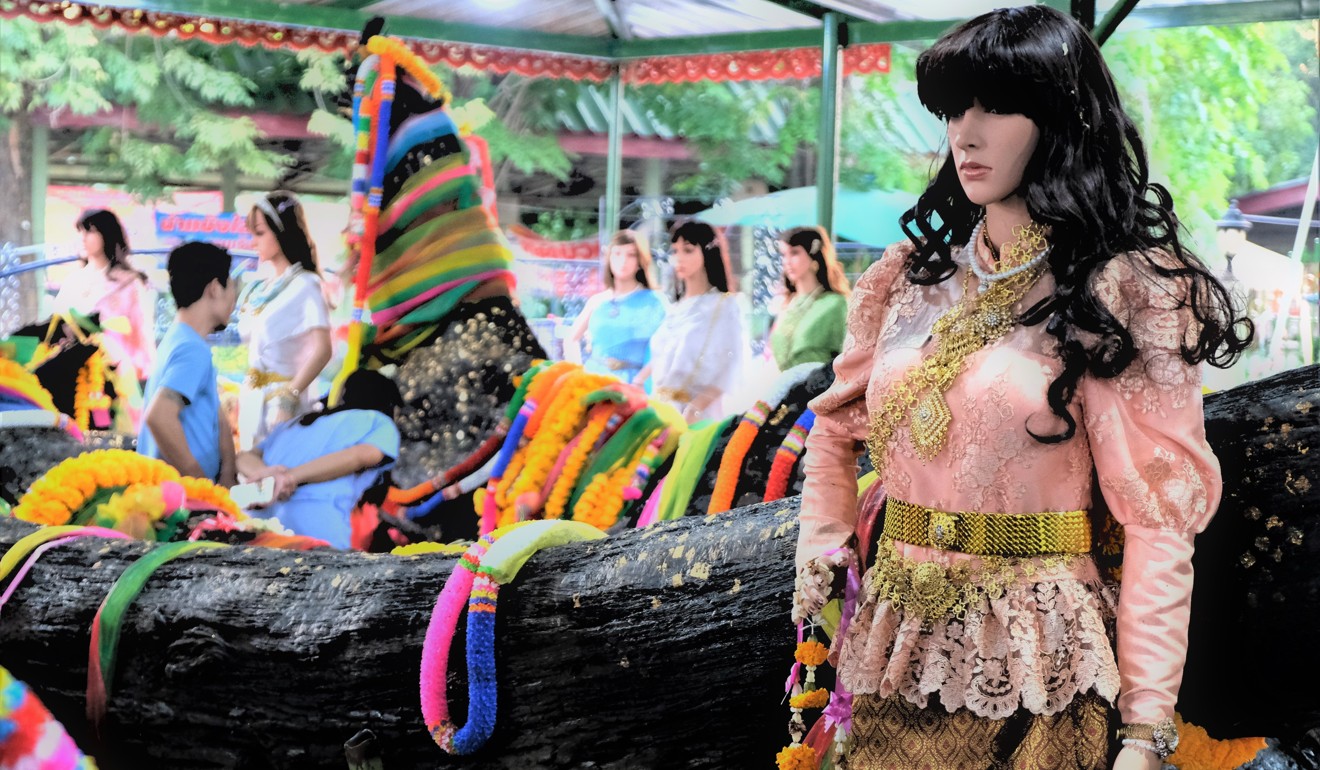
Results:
<point x="664" y="647"/>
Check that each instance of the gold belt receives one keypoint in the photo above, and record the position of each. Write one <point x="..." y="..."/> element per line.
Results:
<point x="256" y="378"/>
<point x="988" y="534"/>
<point x="676" y="395"/>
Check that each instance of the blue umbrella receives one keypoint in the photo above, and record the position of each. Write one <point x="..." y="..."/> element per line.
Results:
<point x="869" y="217"/>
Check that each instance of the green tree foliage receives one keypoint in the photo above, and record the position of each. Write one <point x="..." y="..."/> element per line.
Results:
<point x="188" y="98"/>
<point x="1223" y="110"/>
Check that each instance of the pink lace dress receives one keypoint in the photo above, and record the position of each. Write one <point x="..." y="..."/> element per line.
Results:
<point x="1042" y="636"/>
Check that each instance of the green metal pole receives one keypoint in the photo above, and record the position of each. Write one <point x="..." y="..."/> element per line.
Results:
<point x="614" y="158"/>
<point x="827" y="162"/>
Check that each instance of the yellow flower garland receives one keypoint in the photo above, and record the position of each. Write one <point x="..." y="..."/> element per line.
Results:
<point x="14" y="377"/>
<point x="563" y="419"/>
<point x="602" y="500"/>
<point x="576" y="462"/>
<point x="65" y="489"/>
<point x="89" y="395"/>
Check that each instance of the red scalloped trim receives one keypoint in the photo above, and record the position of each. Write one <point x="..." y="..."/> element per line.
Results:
<point x="794" y="63"/>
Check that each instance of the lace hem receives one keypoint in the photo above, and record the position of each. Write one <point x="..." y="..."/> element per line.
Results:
<point x="1035" y="643"/>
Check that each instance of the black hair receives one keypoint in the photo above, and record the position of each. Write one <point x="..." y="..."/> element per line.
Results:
<point x="1088" y="180"/>
<point x="703" y="236"/>
<point x="816" y="243"/>
<point x="289" y="227"/>
<point x="363" y="389"/>
<point x="113" y="239"/>
<point x="192" y="266"/>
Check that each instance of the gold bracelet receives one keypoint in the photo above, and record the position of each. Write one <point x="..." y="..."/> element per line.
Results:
<point x="1163" y="735"/>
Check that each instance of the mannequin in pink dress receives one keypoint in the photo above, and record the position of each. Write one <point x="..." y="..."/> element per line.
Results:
<point x="1042" y="326"/>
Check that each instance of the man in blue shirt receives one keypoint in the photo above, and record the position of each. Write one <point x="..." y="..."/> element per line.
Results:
<point x="183" y="424"/>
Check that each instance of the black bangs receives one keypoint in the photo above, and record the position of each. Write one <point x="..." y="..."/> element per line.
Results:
<point x="1005" y="60"/>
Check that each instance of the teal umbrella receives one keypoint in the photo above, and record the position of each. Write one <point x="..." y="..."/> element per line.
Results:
<point x="869" y="216"/>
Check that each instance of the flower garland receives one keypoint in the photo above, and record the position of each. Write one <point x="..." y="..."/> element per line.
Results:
<point x="212" y="496"/>
<point x="89" y="398"/>
<point x="512" y="454"/>
<point x="735" y="452"/>
<point x="587" y="441"/>
<point x="787" y="456"/>
<point x="563" y="417"/>
<point x="24" y="384"/>
<point x="803" y="695"/>
<point x="614" y="478"/>
<point x="400" y="53"/>
<point x="493" y="560"/>
<point x="58" y="496"/>
<point x="726" y="480"/>
<point x="1198" y="751"/>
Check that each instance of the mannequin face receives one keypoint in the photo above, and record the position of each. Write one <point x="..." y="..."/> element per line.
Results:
<point x="688" y="260"/>
<point x="798" y="264"/>
<point x="264" y="241"/>
<point x="93" y="244"/>
<point x="623" y="262"/>
<point x="991" y="152"/>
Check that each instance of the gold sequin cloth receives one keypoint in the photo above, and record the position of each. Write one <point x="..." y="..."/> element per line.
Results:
<point x="893" y="734"/>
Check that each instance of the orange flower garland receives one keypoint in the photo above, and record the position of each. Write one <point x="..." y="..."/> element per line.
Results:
<point x="1198" y="751"/>
<point x="14" y="377"/>
<point x="811" y="653"/>
<point x="404" y="57"/>
<point x="65" y="489"/>
<point x="815" y="699"/>
<point x="596" y="424"/>
<point x="726" y="482"/>
<point x="796" y="757"/>
<point x="213" y="495"/>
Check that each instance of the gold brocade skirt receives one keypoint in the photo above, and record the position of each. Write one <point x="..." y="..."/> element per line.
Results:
<point x="893" y="734"/>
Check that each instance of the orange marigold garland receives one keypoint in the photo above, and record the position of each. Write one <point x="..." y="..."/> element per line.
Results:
<point x="1198" y="751"/>
<point x="731" y="463"/>
<point x="57" y="496"/>
<point x="211" y="495"/>
<point x="796" y="757"/>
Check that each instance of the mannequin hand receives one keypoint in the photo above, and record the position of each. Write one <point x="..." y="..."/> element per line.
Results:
<point x="815" y="584"/>
<point x="1133" y="758"/>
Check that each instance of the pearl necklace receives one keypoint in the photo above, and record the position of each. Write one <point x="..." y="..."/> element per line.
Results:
<point x="1031" y="233"/>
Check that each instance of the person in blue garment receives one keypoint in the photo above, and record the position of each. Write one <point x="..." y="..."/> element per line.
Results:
<point x="325" y="461"/>
<point x="618" y="322"/>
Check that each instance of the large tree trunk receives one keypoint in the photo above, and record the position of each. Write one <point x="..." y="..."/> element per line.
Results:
<point x="664" y="647"/>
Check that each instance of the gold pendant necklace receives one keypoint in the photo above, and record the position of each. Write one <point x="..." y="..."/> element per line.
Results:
<point x="979" y="319"/>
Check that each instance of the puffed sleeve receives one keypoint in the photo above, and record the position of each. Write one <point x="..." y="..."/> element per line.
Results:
<point x="1158" y="476"/>
<point x="829" y="492"/>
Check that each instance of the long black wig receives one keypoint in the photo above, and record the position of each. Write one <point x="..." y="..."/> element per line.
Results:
<point x="1088" y="181"/>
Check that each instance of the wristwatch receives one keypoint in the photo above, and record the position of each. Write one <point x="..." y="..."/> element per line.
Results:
<point x="1162" y="736"/>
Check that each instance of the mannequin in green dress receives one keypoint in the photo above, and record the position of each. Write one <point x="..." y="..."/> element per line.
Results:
<point x="811" y="326"/>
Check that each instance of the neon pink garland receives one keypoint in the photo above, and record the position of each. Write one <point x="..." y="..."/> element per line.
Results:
<point x="439" y="636"/>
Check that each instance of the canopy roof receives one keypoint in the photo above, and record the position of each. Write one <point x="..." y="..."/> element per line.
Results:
<point x="587" y="39"/>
